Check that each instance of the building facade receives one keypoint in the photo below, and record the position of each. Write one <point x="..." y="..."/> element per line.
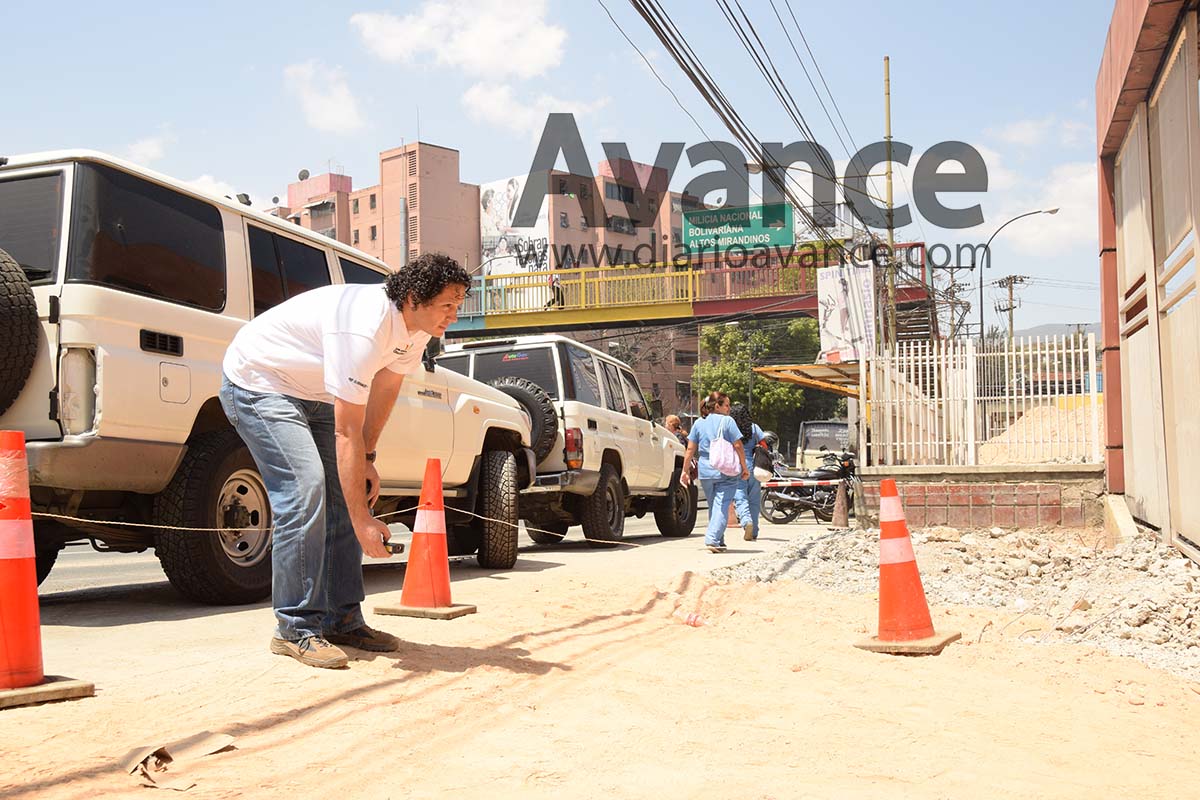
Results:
<point x="1148" y="150"/>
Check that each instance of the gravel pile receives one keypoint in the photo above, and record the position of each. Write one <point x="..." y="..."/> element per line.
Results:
<point x="1139" y="599"/>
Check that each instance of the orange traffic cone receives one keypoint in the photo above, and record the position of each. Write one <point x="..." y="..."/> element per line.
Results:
<point x="21" y="678"/>
<point x="426" y="590"/>
<point x="905" y="626"/>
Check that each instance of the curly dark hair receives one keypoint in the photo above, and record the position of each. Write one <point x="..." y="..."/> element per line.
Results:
<point x="741" y="415"/>
<point x="424" y="279"/>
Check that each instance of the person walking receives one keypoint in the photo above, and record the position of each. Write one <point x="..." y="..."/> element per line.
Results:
<point x="747" y="500"/>
<point x="713" y="426"/>
<point x="309" y="385"/>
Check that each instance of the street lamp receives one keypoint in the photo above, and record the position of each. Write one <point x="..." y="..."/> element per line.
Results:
<point x="988" y="258"/>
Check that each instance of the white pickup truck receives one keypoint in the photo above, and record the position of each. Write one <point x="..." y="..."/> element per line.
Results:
<point x="120" y="289"/>
<point x="600" y="457"/>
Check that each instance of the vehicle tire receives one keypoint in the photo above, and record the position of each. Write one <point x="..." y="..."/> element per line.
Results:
<point x="603" y="515"/>
<point x="549" y="532"/>
<point x="216" y="486"/>
<point x="823" y="515"/>
<point x="45" y="558"/>
<point x="498" y="500"/>
<point x="539" y="406"/>
<point x="462" y="541"/>
<point x="19" y="330"/>
<point x="675" y="515"/>
<point x="774" y="514"/>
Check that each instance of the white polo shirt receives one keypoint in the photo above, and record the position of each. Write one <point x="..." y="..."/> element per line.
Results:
<point x="324" y="343"/>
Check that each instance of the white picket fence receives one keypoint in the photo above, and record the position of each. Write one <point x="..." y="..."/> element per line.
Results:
<point x="994" y="402"/>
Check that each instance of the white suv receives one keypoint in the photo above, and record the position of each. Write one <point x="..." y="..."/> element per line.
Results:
<point x="119" y="291"/>
<point x="600" y="456"/>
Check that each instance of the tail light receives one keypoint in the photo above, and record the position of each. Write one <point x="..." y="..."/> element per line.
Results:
<point x="573" y="452"/>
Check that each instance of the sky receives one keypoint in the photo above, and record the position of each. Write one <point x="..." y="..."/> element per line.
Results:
<point x="238" y="97"/>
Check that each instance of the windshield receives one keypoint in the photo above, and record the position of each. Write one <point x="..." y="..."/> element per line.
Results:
<point x="30" y="220"/>
<point x="832" y="435"/>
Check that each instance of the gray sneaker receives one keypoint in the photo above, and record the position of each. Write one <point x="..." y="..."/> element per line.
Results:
<point x="749" y="531"/>
<point x="315" y="651"/>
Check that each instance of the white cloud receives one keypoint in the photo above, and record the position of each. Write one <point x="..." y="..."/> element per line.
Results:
<point x="499" y="105"/>
<point x="1033" y="132"/>
<point x="1071" y="188"/>
<point x="147" y="150"/>
<point x="211" y="185"/>
<point x="325" y="97"/>
<point x="490" y="39"/>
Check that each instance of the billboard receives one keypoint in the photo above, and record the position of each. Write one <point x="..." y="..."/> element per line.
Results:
<point x="510" y="249"/>
<point x="749" y="227"/>
<point x="846" y="314"/>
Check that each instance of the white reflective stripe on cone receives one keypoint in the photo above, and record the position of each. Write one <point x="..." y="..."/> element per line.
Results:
<point x="430" y="521"/>
<point x="890" y="510"/>
<point x="896" y="551"/>
<point x="16" y="538"/>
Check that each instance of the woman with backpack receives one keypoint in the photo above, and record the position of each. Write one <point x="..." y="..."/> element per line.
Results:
<point x="715" y="438"/>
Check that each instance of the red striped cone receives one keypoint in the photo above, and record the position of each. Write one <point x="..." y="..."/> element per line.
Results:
<point x="22" y="681"/>
<point x="905" y="626"/>
<point x="426" y="591"/>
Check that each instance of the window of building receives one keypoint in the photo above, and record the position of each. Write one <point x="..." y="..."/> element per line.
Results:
<point x="583" y="222"/>
<point x="354" y="206"/>
<point x="371" y="202"/>
<point x="676" y="235"/>
<point x="615" y="191"/>
<point x="140" y="237"/>
<point x="686" y="358"/>
<point x="353" y="272"/>
<point x="621" y="225"/>
<point x="354" y="236"/>
<point x="562" y="186"/>
<point x="563" y="222"/>
<point x="584" y="191"/>
<point x="583" y="257"/>
<point x="373" y="233"/>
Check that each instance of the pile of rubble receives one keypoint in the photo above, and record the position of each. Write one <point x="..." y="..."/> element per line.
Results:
<point x="1138" y="599"/>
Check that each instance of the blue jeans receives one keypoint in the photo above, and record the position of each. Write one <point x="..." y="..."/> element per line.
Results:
<point x="719" y="492"/>
<point x="748" y="502"/>
<point x="316" y="560"/>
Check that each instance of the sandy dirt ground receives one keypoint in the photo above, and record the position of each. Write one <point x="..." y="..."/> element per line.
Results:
<point x="578" y="678"/>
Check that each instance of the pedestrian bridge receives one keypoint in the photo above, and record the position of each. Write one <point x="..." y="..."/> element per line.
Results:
<point x="638" y="295"/>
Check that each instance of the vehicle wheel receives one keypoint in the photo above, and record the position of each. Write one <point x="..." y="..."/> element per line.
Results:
<point x="676" y="513"/>
<point x="539" y="406"/>
<point x="19" y="330"/>
<point x="216" y="486"/>
<point x="776" y="514"/>
<point x="462" y="541"/>
<point x="46" y="556"/>
<point x="498" y="501"/>
<point x="549" y="532"/>
<point x="603" y="514"/>
<point x="823" y="514"/>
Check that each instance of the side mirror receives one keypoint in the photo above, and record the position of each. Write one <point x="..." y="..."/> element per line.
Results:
<point x="432" y="350"/>
<point x="823" y="448"/>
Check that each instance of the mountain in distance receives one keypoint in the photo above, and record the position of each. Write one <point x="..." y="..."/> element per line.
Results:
<point x="1059" y="329"/>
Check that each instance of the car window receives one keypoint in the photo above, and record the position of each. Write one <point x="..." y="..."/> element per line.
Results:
<point x="303" y="267"/>
<point x="264" y="271"/>
<point x="457" y="363"/>
<point x="832" y="435"/>
<point x="31" y="223"/>
<point x="612" y="388"/>
<point x="353" y="272"/>
<point x="583" y="376"/>
<point x="135" y="235"/>
<point x="637" y="403"/>
<point x="532" y="363"/>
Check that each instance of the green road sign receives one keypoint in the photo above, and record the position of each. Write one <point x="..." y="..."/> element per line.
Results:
<point x="749" y="227"/>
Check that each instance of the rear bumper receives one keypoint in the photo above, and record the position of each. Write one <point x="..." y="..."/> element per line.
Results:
<point x="94" y="463"/>
<point x="572" y="481"/>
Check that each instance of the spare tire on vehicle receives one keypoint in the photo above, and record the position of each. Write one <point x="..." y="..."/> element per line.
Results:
<point x="539" y="406"/>
<point x="18" y="330"/>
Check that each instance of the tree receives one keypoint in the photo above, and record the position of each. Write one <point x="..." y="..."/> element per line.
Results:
<point x="730" y="351"/>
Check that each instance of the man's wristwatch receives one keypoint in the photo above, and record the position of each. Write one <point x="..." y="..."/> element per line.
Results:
<point x="371" y="457"/>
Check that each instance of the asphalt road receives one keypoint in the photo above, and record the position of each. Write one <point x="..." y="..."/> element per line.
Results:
<point x="82" y="574"/>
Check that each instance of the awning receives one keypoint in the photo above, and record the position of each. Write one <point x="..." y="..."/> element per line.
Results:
<point x="837" y="378"/>
<point x="317" y="203"/>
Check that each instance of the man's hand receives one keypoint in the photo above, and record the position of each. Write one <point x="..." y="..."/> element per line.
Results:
<point x="371" y="534"/>
<point x="372" y="485"/>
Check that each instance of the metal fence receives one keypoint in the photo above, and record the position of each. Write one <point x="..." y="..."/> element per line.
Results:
<point x="993" y="402"/>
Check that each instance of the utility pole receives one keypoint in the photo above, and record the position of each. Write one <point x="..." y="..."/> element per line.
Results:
<point x="887" y="137"/>
<point x="1009" y="282"/>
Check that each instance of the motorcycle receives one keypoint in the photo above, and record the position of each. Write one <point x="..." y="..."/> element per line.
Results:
<point x="781" y="505"/>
